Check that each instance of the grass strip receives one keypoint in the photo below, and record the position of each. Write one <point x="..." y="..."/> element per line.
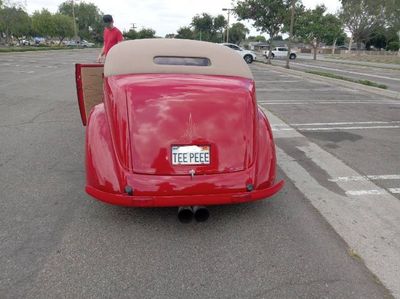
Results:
<point x="34" y="49"/>
<point x="364" y="82"/>
<point x="392" y="59"/>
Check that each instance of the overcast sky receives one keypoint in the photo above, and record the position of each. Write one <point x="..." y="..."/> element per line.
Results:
<point x="164" y="16"/>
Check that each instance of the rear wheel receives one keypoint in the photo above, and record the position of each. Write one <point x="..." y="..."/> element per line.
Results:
<point x="272" y="55"/>
<point x="292" y="56"/>
<point x="248" y="58"/>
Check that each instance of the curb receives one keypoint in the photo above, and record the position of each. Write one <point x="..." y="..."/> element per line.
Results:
<point x="375" y="90"/>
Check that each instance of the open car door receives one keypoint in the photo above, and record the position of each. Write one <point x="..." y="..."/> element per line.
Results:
<point x="89" y="87"/>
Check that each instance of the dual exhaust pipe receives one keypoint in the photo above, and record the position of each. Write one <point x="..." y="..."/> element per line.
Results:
<point x="199" y="213"/>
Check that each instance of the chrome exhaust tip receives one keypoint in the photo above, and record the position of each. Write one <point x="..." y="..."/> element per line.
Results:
<point x="201" y="213"/>
<point x="185" y="214"/>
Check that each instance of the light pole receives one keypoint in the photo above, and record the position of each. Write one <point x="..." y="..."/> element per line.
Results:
<point x="290" y="33"/>
<point x="73" y="17"/>
<point x="227" y="26"/>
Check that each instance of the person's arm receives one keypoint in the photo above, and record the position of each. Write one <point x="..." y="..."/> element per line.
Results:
<point x="99" y="59"/>
<point x="120" y="37"/>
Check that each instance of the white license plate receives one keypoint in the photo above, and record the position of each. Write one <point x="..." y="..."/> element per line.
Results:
<point x="190" y="154"/>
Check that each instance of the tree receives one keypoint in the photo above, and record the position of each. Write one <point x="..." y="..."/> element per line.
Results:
<point x="334" y="31"/>
<point x="392" y="17"/>
<point x="237" y="33"/>
<point x="258" y="38"/>
<point x="219" y="24"/>
<point x="203" y="26"/>
<point x="314" y="27"/>
<point x="208" y="28"/>
<point x="142" y="33"/>
<point x="185" y="33"/>
<point x="267" y="15"/>
<point x="43" y="23"/>
<point x="63" y="27"/>
<point x="146" y="33"/>
<point x="88" y="18"/>
<point x="131" y="34"/>
<point x="361" y="17"/>
<point x="14" y="22"/>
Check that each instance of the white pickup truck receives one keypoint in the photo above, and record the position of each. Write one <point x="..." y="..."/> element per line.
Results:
<point x="281" y="52"/>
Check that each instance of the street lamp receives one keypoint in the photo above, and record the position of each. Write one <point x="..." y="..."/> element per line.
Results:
<point x="227" y="27"/>
<point x="73" y="17"/>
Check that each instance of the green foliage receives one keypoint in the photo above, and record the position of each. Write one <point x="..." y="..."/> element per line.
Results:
<point x="142" y="33"/>
<point x="185" y="33"/>
<point x="208" y="28"/>
<point x="63" y="26"/>
<point x="204" y="27"/>
<point x="393" y="46"/>
<point x="314" y="26"/>
<point x="131" y="34"/>
<point x="361" y="17"/>
<point x="237" y="33"/>
<point x="334" y="30"/>
<point x="88" y="19"/>
<point x="146" y="33"/>
<point x="267" y="15"/>
<point x="43" y="23"/>
<point x="258" y="38"/>
<point x="14" y="21"/>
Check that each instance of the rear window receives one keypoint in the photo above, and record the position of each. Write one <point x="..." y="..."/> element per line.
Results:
<point x="178" y="60"/>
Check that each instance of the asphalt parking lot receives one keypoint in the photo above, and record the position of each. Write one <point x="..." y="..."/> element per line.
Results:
<point x="387" y="74"/>
<point x="58" y="242"/>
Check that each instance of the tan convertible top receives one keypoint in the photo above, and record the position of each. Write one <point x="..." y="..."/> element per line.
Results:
<point x="140" y="56"/>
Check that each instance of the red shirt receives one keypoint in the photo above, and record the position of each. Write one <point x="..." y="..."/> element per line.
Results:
<point x="111" y="38"/>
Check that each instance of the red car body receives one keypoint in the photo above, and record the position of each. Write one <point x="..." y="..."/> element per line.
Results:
<point x="131" y="133"/>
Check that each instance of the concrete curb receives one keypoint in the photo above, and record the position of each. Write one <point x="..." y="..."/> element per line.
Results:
<point x="375" y="90"/>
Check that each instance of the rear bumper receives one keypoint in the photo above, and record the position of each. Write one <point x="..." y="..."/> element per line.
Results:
<point x="183" y="200"/>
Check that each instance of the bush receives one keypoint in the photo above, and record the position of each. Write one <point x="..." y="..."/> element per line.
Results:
<point x="393" y="46"/>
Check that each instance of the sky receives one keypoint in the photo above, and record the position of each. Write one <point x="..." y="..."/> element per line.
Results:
<point x="164" y="16"/>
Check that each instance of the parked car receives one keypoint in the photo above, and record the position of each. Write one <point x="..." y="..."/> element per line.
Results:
<point x="176" y="125"/>
<point x="280" y="52"/>
<point x="78" y="43"/>
<point x="86" y="44"/>
<point x="248" y="56"/>
<point x="26" y="42"/>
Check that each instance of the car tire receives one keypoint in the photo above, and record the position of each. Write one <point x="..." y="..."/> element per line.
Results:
<point x="292" y="56"/>
<point x="248" y="58"/>
<point x="272" y="55"/>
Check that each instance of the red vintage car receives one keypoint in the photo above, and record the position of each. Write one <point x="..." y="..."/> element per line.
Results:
<point x="174" y="123"/>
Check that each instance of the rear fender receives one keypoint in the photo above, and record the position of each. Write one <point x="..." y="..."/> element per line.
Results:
<point x="266" y="157"/>
<point x="103" y="171"/>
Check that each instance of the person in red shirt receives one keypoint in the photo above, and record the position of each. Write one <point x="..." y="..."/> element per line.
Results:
<point x="112" y="36"/>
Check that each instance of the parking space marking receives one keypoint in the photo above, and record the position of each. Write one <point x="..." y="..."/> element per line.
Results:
<point x="335" y="128"/>
<point x="366" y="177"/>
<point x="349" y="72"/>
<point x="277" y="81"/>
<point x="364" y="224"/>
<point x="329" y="102"/>
<point x="366" y="192"/>
<point x="342" y="123"/>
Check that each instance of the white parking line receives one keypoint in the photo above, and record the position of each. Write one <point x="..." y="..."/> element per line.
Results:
<point x="366" y="177"/>
<point x="342" y="123"/>
<point x="349" y="72"/>
<point x="366" y="192"/>
<point x="366" y="225"/>
<point x="395" y="190"/>
<point x="335" y="128"/>
<point x="330" y="103"/>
